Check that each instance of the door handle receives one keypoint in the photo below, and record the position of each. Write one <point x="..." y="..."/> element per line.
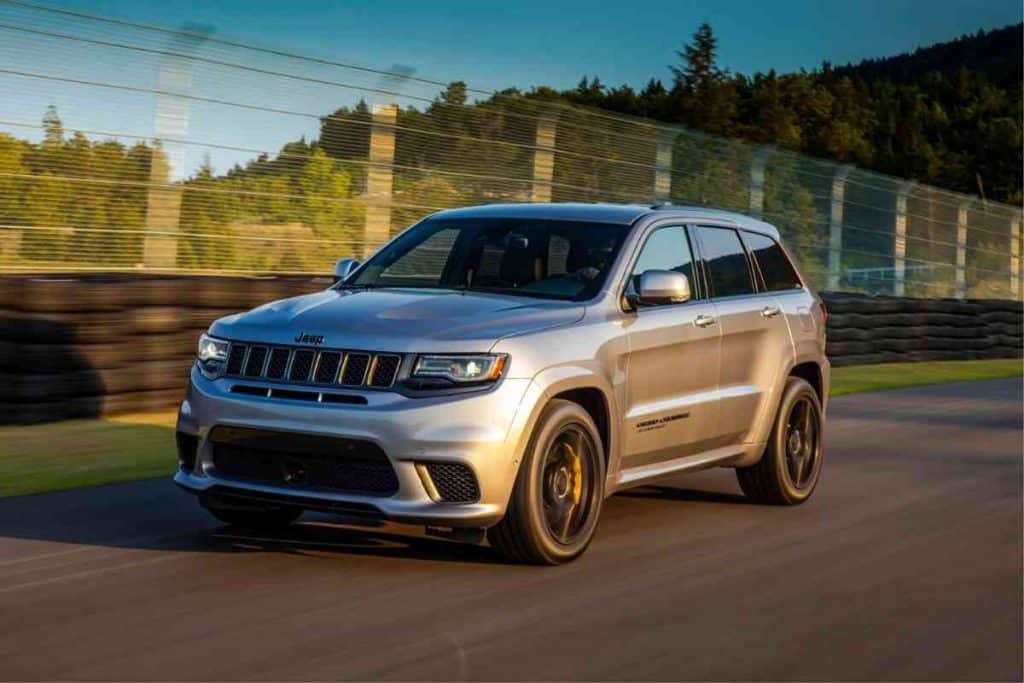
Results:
<point x="703" y="321"/>
<point x="770" y="311"/>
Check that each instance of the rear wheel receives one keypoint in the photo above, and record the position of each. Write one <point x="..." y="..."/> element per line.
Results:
<point x="558" y="493"/>
<point x="255" y="518"/>
<point x="789" y="469"/>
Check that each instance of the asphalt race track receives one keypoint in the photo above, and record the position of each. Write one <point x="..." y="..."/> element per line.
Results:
<point x="906" y="564"/>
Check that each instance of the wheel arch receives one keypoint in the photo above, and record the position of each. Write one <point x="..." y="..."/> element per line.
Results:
<point x="580" y="385"/>
<point x="811" y="372"/>
<point x="815" y="373"/>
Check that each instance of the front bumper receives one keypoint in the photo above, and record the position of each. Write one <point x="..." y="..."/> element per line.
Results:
<point x="480" y="430"/>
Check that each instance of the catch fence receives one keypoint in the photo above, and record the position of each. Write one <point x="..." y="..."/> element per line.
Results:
<point x="176" y="151"/>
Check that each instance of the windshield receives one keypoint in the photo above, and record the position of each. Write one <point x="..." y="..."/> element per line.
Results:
<point x="540" y="258"/>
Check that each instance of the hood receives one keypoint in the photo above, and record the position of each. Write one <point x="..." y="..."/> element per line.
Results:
<point x="399" y="320"/>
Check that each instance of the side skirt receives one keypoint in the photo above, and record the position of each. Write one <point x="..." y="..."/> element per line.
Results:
<point x="736" y="455"/>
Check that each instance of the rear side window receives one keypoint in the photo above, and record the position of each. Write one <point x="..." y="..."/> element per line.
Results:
<point x="727" y="263"/>
<point x="778" y="273"/>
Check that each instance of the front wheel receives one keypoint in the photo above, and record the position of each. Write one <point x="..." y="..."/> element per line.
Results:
<point x="790" y="467"/>
<point x="557" y="498"/>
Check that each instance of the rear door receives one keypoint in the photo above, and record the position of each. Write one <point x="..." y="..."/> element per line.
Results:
<point x="755" y="343"/>
<point x="671" y="406"/>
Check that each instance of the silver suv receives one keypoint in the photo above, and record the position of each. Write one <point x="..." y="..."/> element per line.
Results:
<point x="498" y="371"/>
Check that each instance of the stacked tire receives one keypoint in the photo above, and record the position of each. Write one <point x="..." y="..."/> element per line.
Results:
<point x="83" y="346"/>
<point x="873" y="329"/>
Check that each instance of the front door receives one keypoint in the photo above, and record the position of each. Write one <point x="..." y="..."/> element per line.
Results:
<point x="671" y="407"/>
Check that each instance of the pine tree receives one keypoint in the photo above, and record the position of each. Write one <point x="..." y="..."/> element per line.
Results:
<point x="53" y="128"/>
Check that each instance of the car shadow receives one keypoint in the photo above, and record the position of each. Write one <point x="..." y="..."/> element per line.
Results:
<point x="685" y="494"/>
<point x="326" y="536"/>
<point x="152" y="515"/>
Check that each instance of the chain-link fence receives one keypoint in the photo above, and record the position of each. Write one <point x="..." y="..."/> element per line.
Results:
<point x="317" y="159"/>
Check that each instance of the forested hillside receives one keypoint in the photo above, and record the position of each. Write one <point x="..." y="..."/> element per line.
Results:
<point x="948" y="115"/>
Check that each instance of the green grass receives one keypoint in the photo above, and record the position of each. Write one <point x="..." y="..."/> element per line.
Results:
<point x="860" y="378"/>
<point x="75" y="453"/>
<point x="64" y="455"/>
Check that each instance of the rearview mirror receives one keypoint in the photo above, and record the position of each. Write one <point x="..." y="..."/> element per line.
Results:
<point x="663" y="287"/>
<point x="344" y="268"/>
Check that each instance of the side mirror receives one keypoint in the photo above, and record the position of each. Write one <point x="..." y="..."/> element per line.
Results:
<point x="663" y="287"/>
<point x="344" y="268"/>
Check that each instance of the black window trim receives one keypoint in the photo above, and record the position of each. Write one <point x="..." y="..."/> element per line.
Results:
<point x="760" y="286"/>
<point x="706" y="271"/>
<point x="700" y="292"/>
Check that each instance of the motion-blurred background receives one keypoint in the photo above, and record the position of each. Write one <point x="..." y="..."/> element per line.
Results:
<point x="155" y="176"/>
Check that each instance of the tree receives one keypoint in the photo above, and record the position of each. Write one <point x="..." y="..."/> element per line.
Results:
<point x="53" y="128"/>
<point x="704" y="94"/>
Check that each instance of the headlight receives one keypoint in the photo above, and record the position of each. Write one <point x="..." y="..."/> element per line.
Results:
<point x="461" y="369"/>
<point x="212" y="356"/>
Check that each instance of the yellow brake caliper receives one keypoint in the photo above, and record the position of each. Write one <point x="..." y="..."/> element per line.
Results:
<point x="577" y="475"/>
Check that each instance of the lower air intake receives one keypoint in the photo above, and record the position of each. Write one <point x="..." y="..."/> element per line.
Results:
<point x="303" y="461"/>
<point x="455" y="482"/>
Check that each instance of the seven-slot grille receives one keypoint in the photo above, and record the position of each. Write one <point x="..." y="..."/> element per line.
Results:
<point x="313" y="366"/>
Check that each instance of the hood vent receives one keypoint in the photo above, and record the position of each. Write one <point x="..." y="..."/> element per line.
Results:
<point x="303" y="365"/>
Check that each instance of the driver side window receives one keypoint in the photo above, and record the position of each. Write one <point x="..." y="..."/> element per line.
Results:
<point x="665" y="249"/>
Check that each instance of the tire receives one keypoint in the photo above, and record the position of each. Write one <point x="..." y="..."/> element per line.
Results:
<point x="254" y="518"/>
<point x="772" y="480"/>
<point x="565" y="434"/>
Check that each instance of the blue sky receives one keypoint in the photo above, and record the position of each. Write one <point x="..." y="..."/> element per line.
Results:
<point x="497" y="44"/>
<point x="490" y="45"/>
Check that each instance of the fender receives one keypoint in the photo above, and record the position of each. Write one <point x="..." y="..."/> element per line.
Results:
<point x="547" y="384"/>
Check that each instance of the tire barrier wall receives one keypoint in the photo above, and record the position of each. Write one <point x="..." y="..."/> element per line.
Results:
<point x="878" y="329"/>
<point x="84" y="346"/>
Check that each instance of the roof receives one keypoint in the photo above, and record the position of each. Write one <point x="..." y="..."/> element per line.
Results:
<point x="620" y="214"/>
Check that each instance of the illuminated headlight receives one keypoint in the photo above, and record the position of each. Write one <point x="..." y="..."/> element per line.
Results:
<point x="212" y="356"/>
<point x="461" y="369"/>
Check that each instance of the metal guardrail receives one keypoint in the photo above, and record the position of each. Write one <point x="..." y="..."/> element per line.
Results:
<point x="126" y="195"/>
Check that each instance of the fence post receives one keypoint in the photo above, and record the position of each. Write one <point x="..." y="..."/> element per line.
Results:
<point x="163" y="215"/>
<point x="757" y="168"/>
<point x="380" y="178"/>
<point x="167" y="162"/>
<point x="899" y="240"/>
<point x="960" y="290"/>
<point x="1015" y="257"/>
<point x="544" y="160"/>
<point x="835" y="226"/>
<point x="663" y="165"/>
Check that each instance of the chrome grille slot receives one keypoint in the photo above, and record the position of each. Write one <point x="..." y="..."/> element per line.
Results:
<point x="385" y="368"/>
<point x="254" y="363"/>
<point x="278" y="363"/>
<point x="327" y="367"/>
<point x="236" y="358"/>
<point x="353" y="372"/>
<point x="302" y="365"/>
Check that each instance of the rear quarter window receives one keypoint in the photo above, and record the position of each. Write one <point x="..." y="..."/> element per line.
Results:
<point x="776" y="269"/>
